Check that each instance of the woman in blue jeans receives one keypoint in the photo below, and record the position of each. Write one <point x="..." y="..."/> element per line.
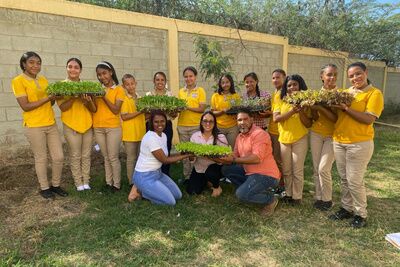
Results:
<point x="151" y="182"/>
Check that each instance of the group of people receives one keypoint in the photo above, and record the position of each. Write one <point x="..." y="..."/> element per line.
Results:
<point x="266" y="145"/>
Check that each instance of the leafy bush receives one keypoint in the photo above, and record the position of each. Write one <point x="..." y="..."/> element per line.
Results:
<point x="324" y="97"/>
<point x="66" y="88"/>
<point x="167" y="104"/>
<point x="201" y="150"/>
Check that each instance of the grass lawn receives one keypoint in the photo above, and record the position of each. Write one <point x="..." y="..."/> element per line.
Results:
<point x="103" y="229"/>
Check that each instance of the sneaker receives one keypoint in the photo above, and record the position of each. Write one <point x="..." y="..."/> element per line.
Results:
<point x="358" y="222"/>
<point x="269" y="209"/>
<point x="80" y="188"/>
<point x="296" y="202"/>
<point x="59" y="191"/>
<point x="47" y="193"/>
<point x="325" y="205"/>
<point x="341" y="214"/>
<point x="317" y="204"/>
<point x="115" y="189"/>
<point x="86" y="187"/>
<point x="287" y="199"/>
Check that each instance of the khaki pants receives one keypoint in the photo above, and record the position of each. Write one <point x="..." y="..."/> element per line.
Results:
<point x="276" y="150"/>
<point x="293" y="156"/>
<point x="80" y="147"/>
<point x="231" y="134"/>
<point x="351" y="163"/>
<point x="132" y="150"/>
<point x="109" y="140"/>
<point x="40" y="138"/>
<point x="323" y="158"/>
<point x="185" y="132"/>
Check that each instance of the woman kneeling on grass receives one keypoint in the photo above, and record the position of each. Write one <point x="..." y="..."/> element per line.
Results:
<point x="205" y="170"/>
<point x="354" y="143"/>
<point x="152" y="183"/>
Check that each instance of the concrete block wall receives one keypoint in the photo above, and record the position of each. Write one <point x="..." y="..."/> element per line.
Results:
<point x="309" y="67"/>
<point x="392" y="92"/>
<point x="137" y="50"/>
<point x="376" y="76"/>
<point x="248" y="57"/>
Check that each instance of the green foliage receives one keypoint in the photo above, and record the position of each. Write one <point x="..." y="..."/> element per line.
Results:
<point x="364" y="28"/>
<point x="212" y="62"/>
<point x="168" y="104"/>
<point x="253" y="105"/>
<point x="324" y="97"/>
<point x="66" y="88"/>
<point x="202" y="150"/>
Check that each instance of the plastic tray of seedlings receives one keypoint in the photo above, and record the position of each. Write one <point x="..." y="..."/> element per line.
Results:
<point x="253" y="105"/>
<point x="168" y="104"/>
<point x="323" y="97"/>
<point x="67" y="88"/>
<point x="202" y="150"/>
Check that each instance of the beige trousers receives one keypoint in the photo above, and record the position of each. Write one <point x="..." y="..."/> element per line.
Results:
<point x="41" y="138"/>
<point x="132" y="150"/>
<point x="80" y="147"/>
<point x="109" y="140"/>
<point x="230" y="134"/>
<point x="293" y="156"/>
<point x="185" y="132"/>
<point x="323" y="158"/>
<point x="276" y="150"/>
<point x="351" y="163"/>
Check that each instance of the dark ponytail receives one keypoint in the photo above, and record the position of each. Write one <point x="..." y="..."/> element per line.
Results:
<point x="361" y="66"/>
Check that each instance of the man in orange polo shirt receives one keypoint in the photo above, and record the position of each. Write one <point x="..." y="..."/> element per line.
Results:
<point x="252" y="168"/>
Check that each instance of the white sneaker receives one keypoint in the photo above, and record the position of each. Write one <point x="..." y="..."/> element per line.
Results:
<point x="86" y="187"/>
<point x="80" y="188"/>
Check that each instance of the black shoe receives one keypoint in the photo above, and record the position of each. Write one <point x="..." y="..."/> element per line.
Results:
<point x="341" y="214"/>
<point x="47" y="193"/>
<point x="115" y="189"/>
<point x="59" y="191"/>
<point x="295" y="202"/>
<point x="287" y="199"/>
<point x="358" y="222"/>
<point x="323" y="205"/>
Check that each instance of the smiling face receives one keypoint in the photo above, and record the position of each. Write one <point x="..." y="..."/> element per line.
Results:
<point x="190" y="79"/>
<point x="159" y="124"/>
<point x="32" y="66"/>
<point x="277" y="80"/>
<point x="250" y="84"/>
<point x="329" y="77"/>
<point x="225" y="84"/>
<point x="292" y="86"/>
<point x="130" y="85"/>
<point x="208" y="123"/>
<point x="73" y="71"/>
<point x="244" y="122"/>
<point x="159" y="82"/>
<point x="105" y="76"/>
<point x="358" y="77"/>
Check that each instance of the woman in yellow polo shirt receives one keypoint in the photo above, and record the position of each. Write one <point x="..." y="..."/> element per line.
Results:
<point x="107" y="123"/>
<point x="39" y="124"/>
<point x="293" y="122"/>
<point x="354" y="145"/>
<point x="77" y="124"/>
<point x="321" y="142"/>
<point x="220" y="103"/>
<point x="189" y="119"/>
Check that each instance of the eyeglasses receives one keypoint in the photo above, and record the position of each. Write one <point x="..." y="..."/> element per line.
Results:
<point x="207" y="122"/>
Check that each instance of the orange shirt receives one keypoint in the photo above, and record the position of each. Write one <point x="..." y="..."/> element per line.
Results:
<point x="257" y="142"/>
<point x="104" y="118"/>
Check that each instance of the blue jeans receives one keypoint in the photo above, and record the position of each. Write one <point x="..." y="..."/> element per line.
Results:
<point x="254" y="188"/>
<point x="157" y="187"/>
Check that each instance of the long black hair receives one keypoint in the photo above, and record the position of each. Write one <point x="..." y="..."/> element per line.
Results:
<point x="153" y="114"/>
<point x="294" y="77"/>
<point x="361" y="66"/>
<point x="215" y="131"/>
<point x="229" y="77"/>
<point x="108" y="66"/>
<point x="255" y="77"/>
<point x="25" y="56"/>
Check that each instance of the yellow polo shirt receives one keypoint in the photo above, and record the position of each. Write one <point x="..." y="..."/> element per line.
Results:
<point x="34" y="89"/>
<point x="347" y="129"/>
<point x="193" y="98"/>
<point x="134" y="129"/>
<point x="323" y="125"/>
<point x="223" y="102"/>
<point x="77" y="117"/>
<point x="275" y="100"/>
<point x="104" y="118"/>
<point x="292" y="129"/>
